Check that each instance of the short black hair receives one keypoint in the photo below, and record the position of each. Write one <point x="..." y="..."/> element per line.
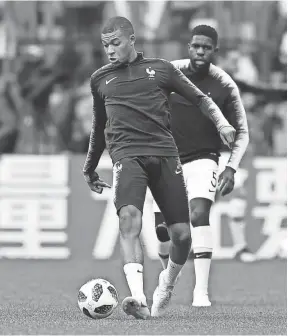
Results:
<point x="118" y="22"/>
<point x="205" y="30"/>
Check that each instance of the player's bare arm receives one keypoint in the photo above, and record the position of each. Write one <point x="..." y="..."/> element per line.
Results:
<point x="183" y="86"/>
<point x="96" y="143"/>
<point x="237" y="116"/>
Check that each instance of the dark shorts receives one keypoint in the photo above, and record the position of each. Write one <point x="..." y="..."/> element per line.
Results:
<point x="164" y="177"/>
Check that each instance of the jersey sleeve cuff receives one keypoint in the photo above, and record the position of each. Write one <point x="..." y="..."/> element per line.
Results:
<point x="234" y="167"/>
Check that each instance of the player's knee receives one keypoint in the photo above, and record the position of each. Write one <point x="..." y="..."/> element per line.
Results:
<point x="130" y="219"/>
<point x="199" y="218"/>
<point x="180" y="233"/>
<point x="200" y="212"/>
<point x="161" y="228"/>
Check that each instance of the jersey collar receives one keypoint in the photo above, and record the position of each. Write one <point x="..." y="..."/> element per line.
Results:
<point x="136" y="60"/>
<point x="198" y="75"/>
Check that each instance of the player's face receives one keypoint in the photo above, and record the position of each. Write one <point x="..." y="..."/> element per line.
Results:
<point x="201" y="49"/>
<point x="118" y="46"/>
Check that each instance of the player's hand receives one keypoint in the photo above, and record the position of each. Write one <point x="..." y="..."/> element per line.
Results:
<point x="95" y="183"/>
<point x="226" y="181"/>
<point x="227" y="134"/>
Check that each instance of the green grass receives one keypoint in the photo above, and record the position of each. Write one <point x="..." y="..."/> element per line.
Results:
<point x="40" y="297"/>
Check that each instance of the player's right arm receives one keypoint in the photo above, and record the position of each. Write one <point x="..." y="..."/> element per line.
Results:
<point x="237" y="117"/>
<point x="180" y="84"/>
<point x="97" y="141"/>
<point x="236" y="114"/>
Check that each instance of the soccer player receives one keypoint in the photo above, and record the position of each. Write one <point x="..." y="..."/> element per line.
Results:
<point x="199" y="148"/>
<point x="131" y="114"/>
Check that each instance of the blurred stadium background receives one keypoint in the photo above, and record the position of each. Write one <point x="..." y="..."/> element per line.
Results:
<point x="48" y="50"/>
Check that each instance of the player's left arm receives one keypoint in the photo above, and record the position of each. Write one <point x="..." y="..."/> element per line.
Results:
<point x="237" y="117"/>
<point x="179" y="83"/>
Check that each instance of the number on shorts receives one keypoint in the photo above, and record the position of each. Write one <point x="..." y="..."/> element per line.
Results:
<point x="214" y="180"/>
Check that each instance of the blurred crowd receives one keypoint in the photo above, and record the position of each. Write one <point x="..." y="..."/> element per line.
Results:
<point x="46" y="106"/>
<point x="265" y="103"/>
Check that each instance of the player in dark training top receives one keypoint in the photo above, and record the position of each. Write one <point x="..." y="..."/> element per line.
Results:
<point x="199" y="148"/>
<point x="131" y="115"/>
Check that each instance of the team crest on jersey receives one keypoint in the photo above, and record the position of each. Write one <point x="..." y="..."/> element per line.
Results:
<point x="151" y="73"/>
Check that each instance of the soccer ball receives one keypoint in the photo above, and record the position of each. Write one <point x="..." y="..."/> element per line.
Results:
<point x="97" y="298"/>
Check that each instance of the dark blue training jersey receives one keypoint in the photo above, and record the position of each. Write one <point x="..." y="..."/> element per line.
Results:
<point x="131" y="111"/>
<point x="195" y="135"/>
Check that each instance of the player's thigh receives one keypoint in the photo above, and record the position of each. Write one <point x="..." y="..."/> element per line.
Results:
<point x="170" y="192"/>
<point x="129" y="184"/>
<point x="200" y="211"/>
<point x="201" y="178"/>
<point x="159" y="219"/>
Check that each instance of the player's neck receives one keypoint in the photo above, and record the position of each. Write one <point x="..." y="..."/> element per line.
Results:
<point x="132" y="56"/>
<point x="199" y="72"/>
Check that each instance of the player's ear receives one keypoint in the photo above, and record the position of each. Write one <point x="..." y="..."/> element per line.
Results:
<point x="132" y="39"/>
<point x="216" y="49"/>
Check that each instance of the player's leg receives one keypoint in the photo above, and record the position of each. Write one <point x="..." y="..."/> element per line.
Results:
<point x="162" y="236"/>
<point x="237" y="226"/>
<point x="171" y="197"/>
<point x="202" y="244"/>
<point x="201" y="181"/>
<point x="130" y="184"/>
<point x="201" y="178"/>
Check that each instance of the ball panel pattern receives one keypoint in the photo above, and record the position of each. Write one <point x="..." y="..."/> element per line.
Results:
<point x="105" y="309"/>
<point x="81" y="297"/>
<point x="113" y="292"/>
<point x="86" y="312"/>
<point x="97" y="291"/>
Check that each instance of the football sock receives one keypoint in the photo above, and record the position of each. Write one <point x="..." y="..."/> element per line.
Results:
<point x="202" y="252"/>
<point x="237" y="227"/>
<point x="134" y="277"/>
<point x="163" y="252"/>
<point x="172" y="272"/>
